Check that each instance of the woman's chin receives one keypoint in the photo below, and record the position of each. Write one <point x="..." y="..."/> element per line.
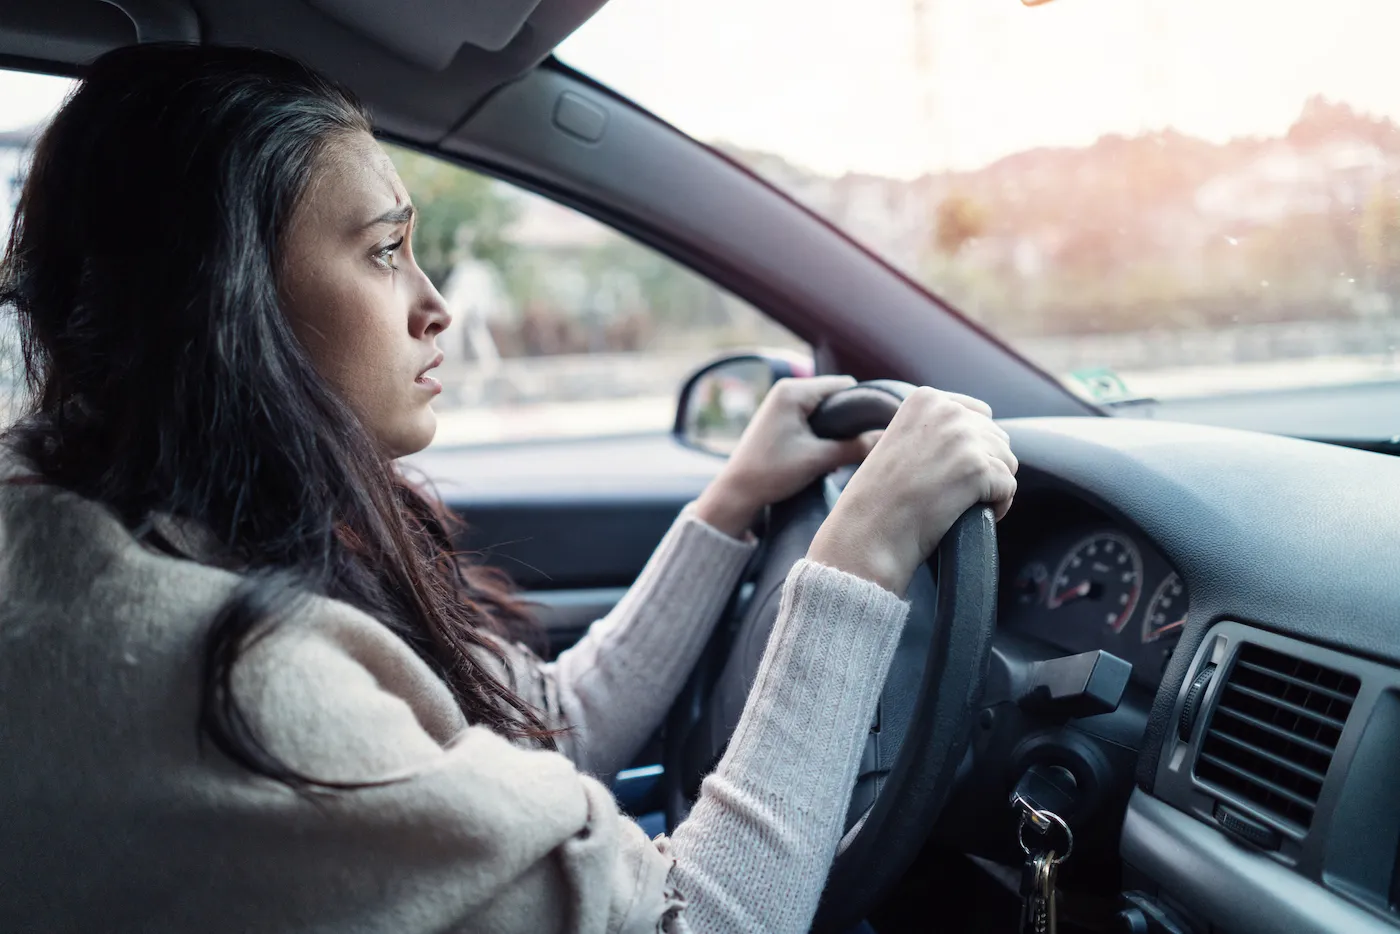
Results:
<point x="413" y="434"/>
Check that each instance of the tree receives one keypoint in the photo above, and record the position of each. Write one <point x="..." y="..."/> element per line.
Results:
<point x="958" y="220"/>
<point x="459" y="213"/>
<point x="1379" y="238"/>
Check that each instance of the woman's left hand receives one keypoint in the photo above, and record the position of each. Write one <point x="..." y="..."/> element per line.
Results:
<point x="778" y="455"/>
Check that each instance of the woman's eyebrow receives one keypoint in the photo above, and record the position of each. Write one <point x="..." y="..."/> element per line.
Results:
<point x="395" y="216"/>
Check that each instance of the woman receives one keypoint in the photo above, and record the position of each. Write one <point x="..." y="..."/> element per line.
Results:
<point x="249" y="686"/>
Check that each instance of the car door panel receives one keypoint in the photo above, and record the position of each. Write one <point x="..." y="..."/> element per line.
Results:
<point x="555" y="543"/>
<point x="565" y="615"/>
<point x="573" y="524"/>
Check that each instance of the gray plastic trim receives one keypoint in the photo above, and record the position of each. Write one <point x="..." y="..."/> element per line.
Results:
<point x="62" y="33"/>
<point x="580" y="118"/>
<point x="1350" y="846"/>
<point x="429" y="33"/>
<point x="161" y="20"/>
<point x="408" y="101"/>
<point x="1238" y="890"/>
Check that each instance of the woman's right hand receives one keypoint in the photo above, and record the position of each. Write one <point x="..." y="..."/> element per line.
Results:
<point x="941" y="454"/>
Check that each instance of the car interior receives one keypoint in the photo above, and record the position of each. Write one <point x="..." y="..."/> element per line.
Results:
<point x="1180" y="650"/>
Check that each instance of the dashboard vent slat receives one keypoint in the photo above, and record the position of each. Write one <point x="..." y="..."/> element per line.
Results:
<point x="1271" y="758"/>
<point x="1277" y="731"/>
<point x="1250" y="776"/>
<point x="1273" y="732"/>
<point x="1300" y="682"/>
<point x="1291" y="708"/>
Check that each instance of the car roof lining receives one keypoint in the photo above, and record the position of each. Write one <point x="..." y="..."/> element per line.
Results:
<point x="419" y="82"/>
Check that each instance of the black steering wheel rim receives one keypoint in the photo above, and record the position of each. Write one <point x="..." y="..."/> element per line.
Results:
<point x="950" y="631"/>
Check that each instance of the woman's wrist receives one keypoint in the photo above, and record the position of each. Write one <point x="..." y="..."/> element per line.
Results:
<point x="847" y="544"/>
<point x="725" y="508"/>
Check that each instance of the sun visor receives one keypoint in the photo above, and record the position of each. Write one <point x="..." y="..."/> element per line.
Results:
<point x="429" y="33"/>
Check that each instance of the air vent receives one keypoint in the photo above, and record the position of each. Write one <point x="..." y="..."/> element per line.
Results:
<point x="1274" y="729"/>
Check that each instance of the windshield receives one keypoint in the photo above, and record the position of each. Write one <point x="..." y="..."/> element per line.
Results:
<point x="1165" y="198"/>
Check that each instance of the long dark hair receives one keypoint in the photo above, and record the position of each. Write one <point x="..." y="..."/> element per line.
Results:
<point x="163" y="377"/>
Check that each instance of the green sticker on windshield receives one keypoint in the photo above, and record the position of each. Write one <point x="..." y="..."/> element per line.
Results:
<point x="1102" y="384"/>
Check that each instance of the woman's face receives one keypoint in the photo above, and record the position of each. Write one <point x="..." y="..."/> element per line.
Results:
<point x="356" y="298"/>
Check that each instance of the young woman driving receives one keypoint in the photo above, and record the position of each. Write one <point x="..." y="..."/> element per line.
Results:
<point x="248" y="683"/>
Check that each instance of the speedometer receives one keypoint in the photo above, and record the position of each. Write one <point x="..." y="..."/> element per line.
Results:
<point x="1100" y="578"/>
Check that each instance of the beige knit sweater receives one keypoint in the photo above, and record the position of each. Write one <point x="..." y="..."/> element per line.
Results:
<point x="115" y="817"/>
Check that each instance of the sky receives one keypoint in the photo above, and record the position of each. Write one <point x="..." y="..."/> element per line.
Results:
<point x="837" y="84"/>
<point x="853" y="85"/>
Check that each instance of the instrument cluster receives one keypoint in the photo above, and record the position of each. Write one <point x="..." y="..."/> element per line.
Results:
<point x="1088" y="583"/>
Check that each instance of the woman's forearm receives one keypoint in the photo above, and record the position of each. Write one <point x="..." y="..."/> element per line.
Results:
<point x="754" y="853"/>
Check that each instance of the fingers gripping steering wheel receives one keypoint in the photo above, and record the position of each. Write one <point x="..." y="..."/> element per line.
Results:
<point x="925" y="713"/>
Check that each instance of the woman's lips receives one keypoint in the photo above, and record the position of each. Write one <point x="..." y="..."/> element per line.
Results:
<point x="428" y="382"/>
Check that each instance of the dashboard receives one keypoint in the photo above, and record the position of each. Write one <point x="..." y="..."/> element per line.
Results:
<point x="1264" y="769"/>
<point x="1076" y="579"/>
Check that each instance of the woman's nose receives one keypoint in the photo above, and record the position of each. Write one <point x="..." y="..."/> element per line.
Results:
<point x="433" y="313"/>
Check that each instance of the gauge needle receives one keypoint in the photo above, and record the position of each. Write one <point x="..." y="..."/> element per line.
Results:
<point x="1074" y="593"/>
<point x="1170" y="626"/>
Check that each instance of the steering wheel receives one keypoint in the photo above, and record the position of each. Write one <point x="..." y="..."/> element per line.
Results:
<point x="924" y="718"/>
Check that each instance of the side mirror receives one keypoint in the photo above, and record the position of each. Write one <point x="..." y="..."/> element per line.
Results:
<point x="720" y="399"/>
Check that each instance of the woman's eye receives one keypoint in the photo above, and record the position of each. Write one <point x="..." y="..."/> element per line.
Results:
<point x="385" y="255"/>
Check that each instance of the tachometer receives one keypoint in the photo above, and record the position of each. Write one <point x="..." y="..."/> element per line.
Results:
<point x="1166" y="611"/>
<point x="1101" y="576"/>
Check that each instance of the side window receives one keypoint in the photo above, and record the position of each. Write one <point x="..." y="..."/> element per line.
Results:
<point x="562" y="327"/>
<point x="27" y="101"/>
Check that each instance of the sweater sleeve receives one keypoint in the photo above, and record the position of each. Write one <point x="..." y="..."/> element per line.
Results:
<point x="754" y="853"/>
<point x="447" y="826"/>
<point x="617" y="683"/>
